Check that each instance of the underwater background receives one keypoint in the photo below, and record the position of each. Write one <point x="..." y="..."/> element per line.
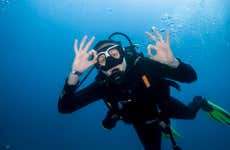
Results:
<point x="36" y="52"/>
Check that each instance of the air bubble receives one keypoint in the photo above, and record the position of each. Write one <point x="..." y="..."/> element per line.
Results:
<point x="166" y="17"/>
<point x="3" y="4"/>
<point x="162" y="30"/>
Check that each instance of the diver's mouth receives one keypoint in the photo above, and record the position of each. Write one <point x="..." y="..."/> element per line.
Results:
<point x="115" y="73"/>
<point x="114" y="69"/>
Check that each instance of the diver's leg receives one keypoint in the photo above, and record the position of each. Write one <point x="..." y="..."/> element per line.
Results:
<point x="176" y="109"/>
<point x="150" y="135"/>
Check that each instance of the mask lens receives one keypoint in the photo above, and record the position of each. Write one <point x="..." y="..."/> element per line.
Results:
<point x="101" y="59"/>
<point x="110" y="51"/>
<point x="109" y="57"/>
<point x="114" y="53"/>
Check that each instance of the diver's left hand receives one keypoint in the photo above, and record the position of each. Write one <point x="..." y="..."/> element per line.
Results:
<point x="163" y="51"/>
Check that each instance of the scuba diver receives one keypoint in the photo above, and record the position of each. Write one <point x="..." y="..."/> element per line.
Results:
<point x="135" y="88"/>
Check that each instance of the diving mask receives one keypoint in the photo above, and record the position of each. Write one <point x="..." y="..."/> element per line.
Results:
<point x="109" y="57"/>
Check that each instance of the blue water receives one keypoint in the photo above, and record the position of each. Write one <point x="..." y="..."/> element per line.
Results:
<point x="36" y="51"/>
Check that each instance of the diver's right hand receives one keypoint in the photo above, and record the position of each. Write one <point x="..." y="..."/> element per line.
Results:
<point x="81" y="61"/>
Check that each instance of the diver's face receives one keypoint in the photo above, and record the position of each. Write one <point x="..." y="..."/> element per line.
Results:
<point x="110" y="59"/>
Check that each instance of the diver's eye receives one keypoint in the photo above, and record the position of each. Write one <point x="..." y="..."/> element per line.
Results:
<point x="114" y="53"/>
<point x="101" y="60"/>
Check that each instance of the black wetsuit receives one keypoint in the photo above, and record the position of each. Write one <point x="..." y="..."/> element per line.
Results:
<point x="135" y="102"/>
